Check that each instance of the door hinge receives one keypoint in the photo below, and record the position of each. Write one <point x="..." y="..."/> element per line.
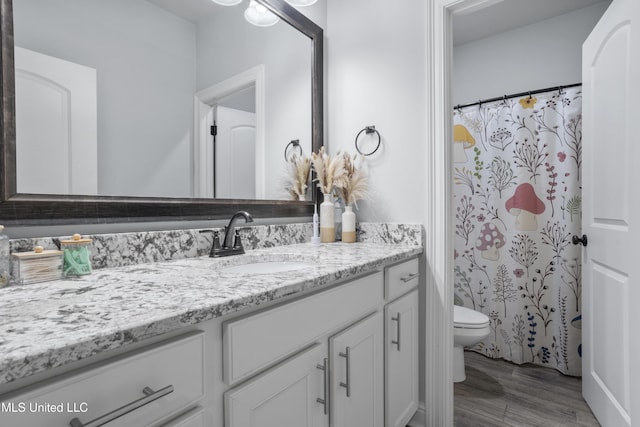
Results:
<point x="214" y="130"/>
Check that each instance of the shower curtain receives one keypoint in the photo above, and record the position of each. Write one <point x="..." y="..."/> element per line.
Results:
<point x="517" y="204"/>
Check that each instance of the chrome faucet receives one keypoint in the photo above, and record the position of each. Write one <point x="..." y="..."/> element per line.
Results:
<point x="232" y="245"/>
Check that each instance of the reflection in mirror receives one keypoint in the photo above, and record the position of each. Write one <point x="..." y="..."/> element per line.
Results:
<point x="119" y="98"/>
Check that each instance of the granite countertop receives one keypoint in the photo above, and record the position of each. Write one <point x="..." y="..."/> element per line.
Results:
<point x="47" y="325"/>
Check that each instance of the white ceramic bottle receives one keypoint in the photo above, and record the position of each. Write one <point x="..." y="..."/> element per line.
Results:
<point x="348" y="225"/>
<point x="327" y="220"/>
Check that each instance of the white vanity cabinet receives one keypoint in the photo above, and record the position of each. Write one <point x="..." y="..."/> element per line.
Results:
<point x="140" y="389"/>
<point x="401" y="343"/>
<point x="344" y="356"/>
<point x="346" y="376"/>
<point x="341" y="365"/>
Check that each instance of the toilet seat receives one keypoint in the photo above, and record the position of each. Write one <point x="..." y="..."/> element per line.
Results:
<point x="465" y="318"/>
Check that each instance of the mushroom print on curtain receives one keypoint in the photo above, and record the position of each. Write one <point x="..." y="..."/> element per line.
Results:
<point x="517" y="203"/>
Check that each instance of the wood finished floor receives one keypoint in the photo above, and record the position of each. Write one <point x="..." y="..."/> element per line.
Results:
<point x="500" y="393"/>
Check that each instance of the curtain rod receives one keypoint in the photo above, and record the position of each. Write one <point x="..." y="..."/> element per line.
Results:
<point x="517" y="95"/>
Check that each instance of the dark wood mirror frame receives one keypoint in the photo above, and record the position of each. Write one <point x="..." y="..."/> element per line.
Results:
<point x="43" y="209"/>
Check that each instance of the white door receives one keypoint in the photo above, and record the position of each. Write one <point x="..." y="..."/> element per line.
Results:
<point x="611" y="216"/>
<point x="235" y="152"/>
<point x="357" y="375"/>
<point x="56" y="125"/>
<point x="401" y="359"/>
<point x="286" y="396"/>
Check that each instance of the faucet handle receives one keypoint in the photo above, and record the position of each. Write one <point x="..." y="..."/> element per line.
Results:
<point x="215" y="247"/>
<point x="216" y="241"/>
<point x="237" y="242"/>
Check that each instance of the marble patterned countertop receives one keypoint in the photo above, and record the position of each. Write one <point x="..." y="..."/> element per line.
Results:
<point x="47" y="325"/>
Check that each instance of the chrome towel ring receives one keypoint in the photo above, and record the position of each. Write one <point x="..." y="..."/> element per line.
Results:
<point x="368" y="130"/>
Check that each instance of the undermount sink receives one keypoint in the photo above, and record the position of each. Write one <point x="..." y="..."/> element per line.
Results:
<point x="267" y="267"/>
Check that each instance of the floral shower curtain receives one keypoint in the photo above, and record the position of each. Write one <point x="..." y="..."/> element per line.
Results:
<point x="517" y="203"/>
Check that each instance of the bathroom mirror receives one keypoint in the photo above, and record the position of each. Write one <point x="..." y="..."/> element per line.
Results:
<point x="157" y="162"/>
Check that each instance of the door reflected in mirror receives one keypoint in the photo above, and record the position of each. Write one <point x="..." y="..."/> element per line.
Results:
<point x="119" y="97"/>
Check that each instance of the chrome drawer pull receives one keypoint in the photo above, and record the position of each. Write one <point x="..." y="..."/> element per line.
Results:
<point x="397" y="319"/>
<point x="324" y="401"/>
<point x="409" y="277"/>
<point x="149" y="396"/>
<point x="347" y="384"/>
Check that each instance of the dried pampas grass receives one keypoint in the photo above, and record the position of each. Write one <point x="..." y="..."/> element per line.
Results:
<point x="329" y="170"/>
<point x="298" y="169"/>
<point x="354" y="184"/>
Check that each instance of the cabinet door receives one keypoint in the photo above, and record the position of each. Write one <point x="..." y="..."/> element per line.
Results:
<point x="285" y="396"/>
<point x="357" y="374"/>
<point x="401" y="351"/>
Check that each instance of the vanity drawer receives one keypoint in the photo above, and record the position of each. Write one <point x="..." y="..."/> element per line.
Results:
<point x="259" y="340"/>
<point x="173" y="367"/>
<point x="401" y="278"/>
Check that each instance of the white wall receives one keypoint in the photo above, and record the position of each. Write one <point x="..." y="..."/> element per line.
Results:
<point x="145" y="62"/>
<point x="544" y="54"/>
<point x="376" y="76"/>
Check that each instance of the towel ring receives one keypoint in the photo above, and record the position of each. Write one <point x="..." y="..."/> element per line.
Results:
<point x="293" y="144"/>
<point x="368" y="130"/>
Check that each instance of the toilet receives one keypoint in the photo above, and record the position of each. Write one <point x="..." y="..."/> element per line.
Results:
<point x="469" y="328"/>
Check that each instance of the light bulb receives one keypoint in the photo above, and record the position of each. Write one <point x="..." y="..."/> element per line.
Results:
<point x="301" y="3"/>
<point x="259" y="15"/>
<point x="227" y="2"/>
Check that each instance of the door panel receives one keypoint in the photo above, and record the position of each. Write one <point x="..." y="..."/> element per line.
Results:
<point x="610" y="212"/>
<point x="235" y="173"/>
<point x="56" y="101"/>
<point x="362" y="371"/>
<point x="401" y="349"/>
<point x="285" y="396"/>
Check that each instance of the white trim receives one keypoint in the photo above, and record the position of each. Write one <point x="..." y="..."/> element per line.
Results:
<point x="419" y="418"/>
<point x="438" y="223"/>
<point x="202" y="149"/>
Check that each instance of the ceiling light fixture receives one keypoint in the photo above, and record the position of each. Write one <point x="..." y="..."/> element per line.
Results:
<point x="301" y="3"/>
<point x="227" y="2"/>
<point x="259" y="15"/>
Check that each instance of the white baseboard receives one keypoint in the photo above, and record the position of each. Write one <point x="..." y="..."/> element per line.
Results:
<point x="419" y="418"/>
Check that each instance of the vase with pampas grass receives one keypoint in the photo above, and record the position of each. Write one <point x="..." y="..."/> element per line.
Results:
<point x="353" y="186"/>
<point x="329" y="171"/>
<point x="298" y="169"/>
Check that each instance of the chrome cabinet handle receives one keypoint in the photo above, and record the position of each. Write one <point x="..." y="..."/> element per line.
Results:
<point x="324" y="401"/>
<point x="347" y="385"/>
<point x="397" y="319"/>
<point x="149" y="396"/>
<point x="409" y="277"/>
